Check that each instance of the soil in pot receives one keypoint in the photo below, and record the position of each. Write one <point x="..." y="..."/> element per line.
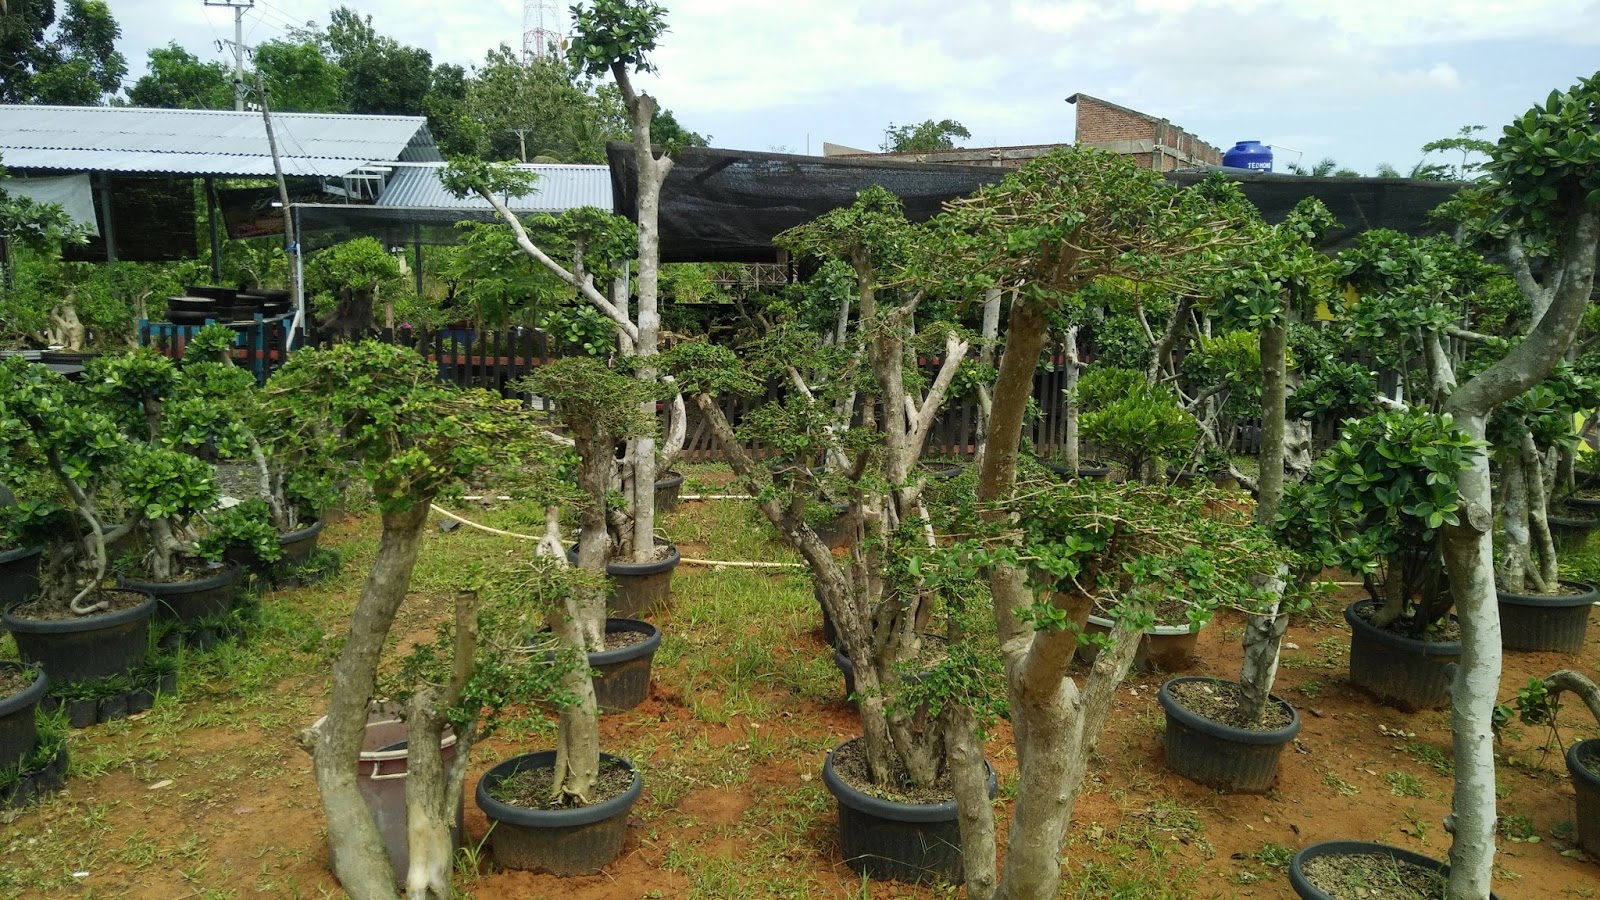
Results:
<point x="530" y="788"/>
<point x="561" y="839"/>
<point x="1554" y="622"/>
<point x="1356" y="870"/>
<point x="1212" y="740"/>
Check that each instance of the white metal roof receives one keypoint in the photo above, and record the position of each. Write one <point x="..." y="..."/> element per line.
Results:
<point x="203" y="142"/>
<point x="557" y="188"/>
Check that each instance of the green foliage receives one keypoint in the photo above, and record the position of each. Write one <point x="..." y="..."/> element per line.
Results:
<point x="590" y="395"/>
<point x="1375" y="502"/>
<point x="1232" y="362"/>
<point x="165" y="484"/>
<point x="410" y="436"/>
<point x="244" y="526"/>
<point x="924" y="136"/>
<point x="360" y="265"/>
<point x="1133" y="420"/>
<point x="1333" y="389"/>
<point x="704" y="367"/>
<point x="620" y="33"/>
<point x="1548" y="159"/>
<point x="73" y="63"/>
<point x="177" y="79"/>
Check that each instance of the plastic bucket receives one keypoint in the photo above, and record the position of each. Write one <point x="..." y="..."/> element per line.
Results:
<point x="382" y="780"/>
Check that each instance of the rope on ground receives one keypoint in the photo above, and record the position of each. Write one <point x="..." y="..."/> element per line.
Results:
<point x="685" y="560"/>
<point x="713" y="496"/>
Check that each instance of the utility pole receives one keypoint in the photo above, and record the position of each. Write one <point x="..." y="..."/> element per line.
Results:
<point x="238" y="7"/>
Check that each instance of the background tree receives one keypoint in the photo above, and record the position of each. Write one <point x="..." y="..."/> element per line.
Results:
<point x="71" y="61"/>
<point x="299" y="77"/>
<point x="381" y="75"/>
<point x="177" y="79"/>
<point x="927" y="135"/>
<point x="1465" y="142"/>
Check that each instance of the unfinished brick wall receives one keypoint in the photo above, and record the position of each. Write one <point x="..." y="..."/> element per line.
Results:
<point x="1153" y="143"/>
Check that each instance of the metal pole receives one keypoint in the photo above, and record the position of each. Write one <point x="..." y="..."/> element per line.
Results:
<point x="212" y="211"/>
<point x="238" y="46"/>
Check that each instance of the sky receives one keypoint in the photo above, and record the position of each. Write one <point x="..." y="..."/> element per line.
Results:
<point x="1361" y="81"/>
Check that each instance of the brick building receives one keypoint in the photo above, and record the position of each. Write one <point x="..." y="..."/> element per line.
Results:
<point x="1155" y="143"/>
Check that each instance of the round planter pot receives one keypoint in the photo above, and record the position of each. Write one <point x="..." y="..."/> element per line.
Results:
<point x="1162" y="648"/>
<point x="1589" y="506"/>
<point x="1571" y="531"/>
<point x="18" y="734"/>
<point x="638" y="589"/>
<point x="624" y="679"/>
<point x="191" y="601"/>
<point x="1222" y="756"/>
<point x="578" y="841"/>
<point x="1545" y="622"/>
<point x="667" y="489"/>
<point x="1305" y="890"/>
<point x="1586" y="783"/>
<point x="1402" y="672"/>
<point x="19" y="574"/>
<point x="891" y="841"/>
<point x="299" y="545"/>
<point x="1089" y="471"/>
<point x="93" y="646"/>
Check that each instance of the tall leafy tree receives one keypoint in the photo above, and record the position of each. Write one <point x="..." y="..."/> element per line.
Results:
<point x="177" y="79"/>
<point x="381" y="75"/>
<point x="299" y="78"/>
<point x="926" y="135"/>
<point x="70" y="61"/>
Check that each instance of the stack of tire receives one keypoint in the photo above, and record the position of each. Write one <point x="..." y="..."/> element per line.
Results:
<point x="203" y="303"/>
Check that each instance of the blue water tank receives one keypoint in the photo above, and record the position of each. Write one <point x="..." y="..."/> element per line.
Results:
<point x="1249" y="155"/>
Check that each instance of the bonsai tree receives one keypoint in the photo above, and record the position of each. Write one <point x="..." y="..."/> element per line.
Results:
<point x="615" y="38"/>
<point x="599" y="406"/>
<point x="50" y="424"/>
<point x="41" y="229"/>
<point x="860" y="406"/>
<point x="412" y="437"/>
<point x="352" y="274"/>
<point x="1140" y="424"/>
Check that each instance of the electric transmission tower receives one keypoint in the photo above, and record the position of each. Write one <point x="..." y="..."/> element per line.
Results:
<point x="542" y="36"/>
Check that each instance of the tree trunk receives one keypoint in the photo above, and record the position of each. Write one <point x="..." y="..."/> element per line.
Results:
<point x="1263" y="634"/>
<point x="1069" y="404"/>
<point x="355" y="847"/>
<point x="1539" y="513"/>
<point x="970" y="779"/>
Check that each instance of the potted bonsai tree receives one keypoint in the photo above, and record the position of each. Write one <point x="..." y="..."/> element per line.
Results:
<point x="411" y="437"/>
<point x="75" y="627"/>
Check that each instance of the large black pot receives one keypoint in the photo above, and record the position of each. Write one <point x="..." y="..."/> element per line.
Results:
<point x="1546" y="622"/>
<point x="19" y="574"/>
<point x="1571" y="531"/>
<point x="623" y="681"/>
<point x="85" y="647"/>
<point x="1222" y="756"/>
<point x="668" y="487"/>
<point x="298" y="545"/>
<point x="884" y="839"/>
<point x="835" y="531"/>
<point x="18" y="733"/>
<point x="638" y="589"/>
<point x="1404" y="672"/>
<point x="191" y="601"/>
<point x="1586" y="783"/>
<point x="1305" y="890"/>
<point x="560" y="841"/>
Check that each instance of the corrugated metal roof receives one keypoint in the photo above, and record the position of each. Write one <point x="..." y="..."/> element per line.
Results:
<point x="557" y="188"/>
<point x="203" y="142"/>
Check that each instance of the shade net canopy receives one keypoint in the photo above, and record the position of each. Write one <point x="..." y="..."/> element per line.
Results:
<point x="728" y="205"/>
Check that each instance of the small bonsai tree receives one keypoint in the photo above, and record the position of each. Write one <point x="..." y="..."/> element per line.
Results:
<point x="412" y="437"/>
<point x="1139" y="424"/>
<point x="599" y="407"/>
<point x="352" y="275"/>
<point x="50" y="424"/>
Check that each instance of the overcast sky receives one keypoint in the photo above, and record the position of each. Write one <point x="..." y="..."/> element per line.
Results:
<point x="1362" y="81"/>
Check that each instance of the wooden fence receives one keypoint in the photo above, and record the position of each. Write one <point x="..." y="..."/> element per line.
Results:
<point x="495" y="361"/>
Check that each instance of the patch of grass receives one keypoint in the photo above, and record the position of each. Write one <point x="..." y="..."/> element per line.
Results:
<point x="1404" y="784"/>
<point x="1311" y="688"/>
<point x="1432" y="755"/>
<point x="1345" y="788"/>
<point x="1519" y="829"/>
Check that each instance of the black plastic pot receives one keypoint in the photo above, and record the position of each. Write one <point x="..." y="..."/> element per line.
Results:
<point x="830" y="632"/>
<point x="835" y="532"/>
<point x="1404" y="672"/>
<point x="560" y="841"/>
<point x="1572" y="531"/>
<point x="1546" y="622"/>
<point x="19" y="574"/>
<point x="1222" y="756"/>
<point x="667" y="489"/>
<point x="190" y="601"/>
<point x="1586" y="783"/>
<point x="638" y="589"/>
<point x="17" y="731"/>
<point x="1305" y="890"/>
<point x="299" y="545"/>
<point x="92" y="646"/>
<point x="624" y="679"/>
<point x="887" y="840"/>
